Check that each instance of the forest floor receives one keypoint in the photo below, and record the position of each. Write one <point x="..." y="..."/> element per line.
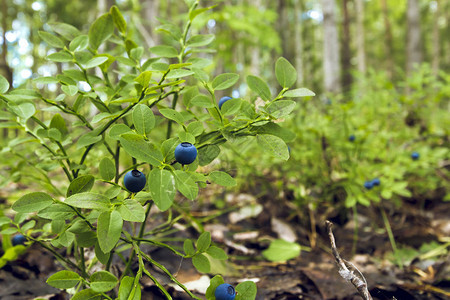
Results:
<point x="245" y="230"/>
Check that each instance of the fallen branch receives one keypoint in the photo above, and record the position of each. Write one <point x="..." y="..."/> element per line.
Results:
<point x="347" y="270"/>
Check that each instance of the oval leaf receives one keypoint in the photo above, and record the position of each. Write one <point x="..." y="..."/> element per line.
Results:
<point x="224" y="81"/>
<point x="89" y="201"/>
<point x="64" y="279"/>
<point x="32" y="202"/>
<point x="285" y="73"/>
<point x="81" y="184"/>
<point x="109" y="228"/>
<point x="103" y="281"/>
<point x="258" y="85"/>
<point x="107" y="169"/>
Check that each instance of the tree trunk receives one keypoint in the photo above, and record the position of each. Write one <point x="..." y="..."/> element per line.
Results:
<point x="388" y="41"/>
<point x="298" y="42"/>
<point x="255" y="56"/>
<point x="361" y="54"/>
<point x="331" y="63"/>
<point x="346" y="52"/>
<point x="436" y="40"/>
<point x="7" y="72"/>
<point x="413" y="44"/>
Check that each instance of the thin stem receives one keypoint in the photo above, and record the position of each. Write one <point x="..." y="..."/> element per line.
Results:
<point x="390" y="234"/>
<point x="355" y="230"/>
<point x="62" y="259"/>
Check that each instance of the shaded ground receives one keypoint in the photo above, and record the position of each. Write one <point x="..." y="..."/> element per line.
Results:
<point x="245" y="232"/>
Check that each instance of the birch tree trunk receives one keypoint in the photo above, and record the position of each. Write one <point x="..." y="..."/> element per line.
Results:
<point x="345" y="48"/>
<point x="436" y="40"/>
<point x="388" y="41"/>
<point x="255" y="56"/>
<point x="298" y="42"/>
<point x="331" y="61"/>
<point x="360" y="51"/>
<point x="413" y="45"/>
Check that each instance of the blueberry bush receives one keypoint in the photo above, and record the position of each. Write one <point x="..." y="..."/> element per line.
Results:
<point x="103" y="152"/>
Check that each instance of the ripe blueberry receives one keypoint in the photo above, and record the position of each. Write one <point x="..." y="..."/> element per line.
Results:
<point x="368" y="185"/>
<point x="223" y="100"/>
<point x="351" y="138"/>
<point x="134" y="181"/>
<point x="225" y="291"/>
<point x="376" y="181"/>
<point x="185" y="153"/>
<point x="415" y="155"/>
<point x="19" y="240"/>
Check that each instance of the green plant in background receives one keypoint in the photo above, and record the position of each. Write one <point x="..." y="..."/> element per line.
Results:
<point x="122" y="113"/>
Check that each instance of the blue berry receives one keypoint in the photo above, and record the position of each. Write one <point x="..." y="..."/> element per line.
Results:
<point x="225" y="291"/>
<point x="185" y="153"/>
<point x="19" y="240"/>
<point x="376" y="181"/>
<point x="351" y="138"/>
<point x="134" y="181"/>
<point x="368" y="185"/>
<point x="415" y="155"/>
<point x="223" y="100"/>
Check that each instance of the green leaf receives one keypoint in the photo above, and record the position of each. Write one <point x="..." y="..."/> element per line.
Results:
<point x="207" y="154"/>
<point x="79" y="43"/>
<point x="86" y="239"/>
<point x="185" y="184"/>
<point x="103" y="281"/>
<point x="213" y="284"/>
<point x="100" y="30"/>
<point x="89" y="200"/>
<point x="164" y="51"/>
<point x="281" y="108"/>
<point x="203" y="241"/>
<point x="168" y="149"/>
<point x="4" y="85"/>
<point x="144" y="79"/>
<point x="188" y="247"/>
<point x="70" y="90"/>
<point x="88" y="139"/>
<point x="109" y="228"/>
<point x="258" y="85"/>
<point x="131" y="210"/>
<point x="107" y="169"/>
<point x="275" y="129"/>
<point x="217" y="253"/>
<point x="81" y="184"/>
<point x="143" y="119"/>
<point x="224" y="81"/>
<point x="61" y="56"/>
<point x="57" y="211"/>
<point x="178" y="73"/>
<point x="301" y="92"/>
<point x="24" y="110"/>
<point x="129" y="289"/>
<point x="95" y="61"/>
<point x="246" y="290"/>
<point x="118" y="19"/>
<point x="200" y="40"/>
<point x="32" y="202"/>
<point x="194" y="13"/>
<point x="195" y="128"/>
<point x="201" y="101"/>
<point x="231" y="106"/>
<point x="87" y="294"/>
<point x="137" y="147"/>
<point x="285" y="73"/>
<point x="281" y="250"/>
<point x="222" y="178"/>
<point x="118" y="129"/>
<point x="186" y="137"/>
<point x="64" y="279"/>
<point x="67" y="31"/>
<point x="172" y="115"/>
<point x="44" y="80"/>
<point x="54" y="134"/>
<point x="274" y="145"/>
<point x="201" y="263"/>
<point x="162" y="188"/>
<point x="51" y="40"/>
<point x="59" y="123"/>
<point x="102" y="256"/>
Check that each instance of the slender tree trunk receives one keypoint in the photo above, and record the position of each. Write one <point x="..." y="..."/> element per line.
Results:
<point x="331" y="61"/>
<point x="298" y="42"/>
<point x="413" y="44"/>
<point x="388" y="41"/>
<point x="255" y="56"/>
<point x="346" y="54"/>
<point x="7" y="72"/>
<point x="361" y="54"/>
<point x="150" y="10"/>
<point x="283" y="28"/>
<point x="436" y="40"/>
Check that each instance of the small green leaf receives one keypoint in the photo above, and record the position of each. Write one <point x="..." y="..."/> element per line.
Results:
<point x="102" y="256"/>
<point x="131" y="211"/>
<point x="4" y="85"/>
<point x="285" y="73"/>
<point x="57" y="211"/>
<point x="118" y="129"/>
<point x="162" y="188"/>
<point x="103" y="281"/>
<point x="81" y="184"/>
<point x="24" y="110"/>
<point x="281" y="250"/>
<point x="107" y="169"/>
<point x="195" y="128"/>
<point x="109" y="229"/>
<point x="86" y="239"/>
<point x="88" y="139"/>
<point x="213" y="284"/>
<point x="118" y="19"/>
<point x="87" y="294"/>
<point x="70" y="90"/>
<point x="201" y="263"/>
<point x="258" y="85"/>
<point x="222" y="178"/>
<point x="129" y="289"/>
<point x="172" y="115"/>
<point x="59" y="123"/>
<point x="246" y="290"/>
<point x="203" y="241"/>
<point x="61" y="56"/>
<point x="185" y="183"/>
<point x="207" y="154"/>
<point x="67" y="31"/>
<point x="143" y="119"/>
<point x="188" y="247"/>
<point x="273" y="145"/>
<point x="137" y="147"/>
<point x="100" y="30"/>
<point x="217" y="253"/>
<point x="224" y="81"/>
<point x="281" y="108"/>
<point x="64" y="279"/>
<point x="201" y="101"/>
<point x="79" y="43"/>
<point x="164" y="51"/>
<point x="32" y="202"/>
<point x="95" y="61"/>
<point x="301" y="92"/>
<point x="89" y="201"/>
<point x="178" y="73"/>
<point x="51" y="40"/>
<point x="200" y="40"/>
<point x="144" y="79"/>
